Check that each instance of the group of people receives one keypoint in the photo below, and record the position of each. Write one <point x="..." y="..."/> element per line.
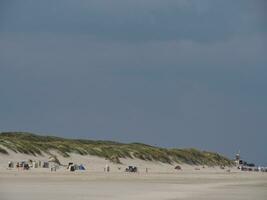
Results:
<point x="107" y="168"/>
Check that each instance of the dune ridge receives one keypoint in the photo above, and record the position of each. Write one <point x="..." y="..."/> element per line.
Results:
<point x="37" y="145"/>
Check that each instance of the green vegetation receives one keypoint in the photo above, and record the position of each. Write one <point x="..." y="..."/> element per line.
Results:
<point x="3" y="151"/>
<point x="28" y="143"/>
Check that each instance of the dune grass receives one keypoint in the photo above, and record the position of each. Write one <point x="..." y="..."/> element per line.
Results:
<point x="3" y="151"/>
<point x="29" y="143"/>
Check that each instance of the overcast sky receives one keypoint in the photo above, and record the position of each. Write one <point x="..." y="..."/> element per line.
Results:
<point x="168" y="73"/>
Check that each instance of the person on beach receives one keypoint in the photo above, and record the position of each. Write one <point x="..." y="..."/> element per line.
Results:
<point x="107" y="168"/>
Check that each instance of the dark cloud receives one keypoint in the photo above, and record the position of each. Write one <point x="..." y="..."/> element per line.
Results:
<point x="138" y="20"/>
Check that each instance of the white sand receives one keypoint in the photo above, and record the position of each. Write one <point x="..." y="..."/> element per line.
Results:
<point x="162" y="181"/>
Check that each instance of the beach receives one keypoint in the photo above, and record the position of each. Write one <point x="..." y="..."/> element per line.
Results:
<point x="133" y="100"/>
<point x="183" y="185"/>
<point x="161" y="182"/>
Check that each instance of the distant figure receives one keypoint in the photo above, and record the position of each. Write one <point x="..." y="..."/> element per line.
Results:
<point x="146" y="170"/>
<point x="53" y="169"/>
<point x="107" y="168"/>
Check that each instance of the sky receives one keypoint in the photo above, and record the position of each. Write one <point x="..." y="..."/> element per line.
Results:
<point x="182" y="74"/>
